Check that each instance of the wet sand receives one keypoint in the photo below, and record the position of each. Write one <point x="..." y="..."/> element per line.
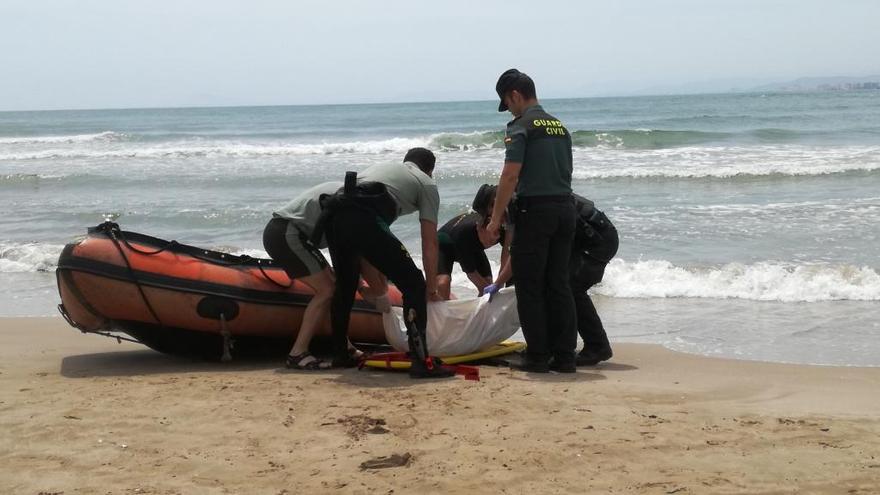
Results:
<point x="83" y="414"/>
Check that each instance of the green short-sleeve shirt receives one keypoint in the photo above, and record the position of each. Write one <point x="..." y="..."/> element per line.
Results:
<point x="305" y="209"/>
<point x="412" y="189"/>
<point x="542" y="144"/>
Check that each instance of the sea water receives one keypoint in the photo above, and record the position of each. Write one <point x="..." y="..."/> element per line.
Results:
<point x="749" y="223"/>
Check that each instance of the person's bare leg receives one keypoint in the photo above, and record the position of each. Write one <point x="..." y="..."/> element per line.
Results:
<point x="377" y="286"/>
<point x="316" y="310"/>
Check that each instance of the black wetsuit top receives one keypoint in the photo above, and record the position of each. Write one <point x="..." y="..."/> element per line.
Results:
<point x="458" y="241"/>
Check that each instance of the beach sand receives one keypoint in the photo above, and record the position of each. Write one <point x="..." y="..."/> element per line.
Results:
<point x="83" y="414"/>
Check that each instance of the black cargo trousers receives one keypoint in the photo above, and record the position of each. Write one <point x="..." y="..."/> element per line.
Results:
<point x="354" y="232"/>
<point x="587" y="271"/>
<point x="540" y="253"/>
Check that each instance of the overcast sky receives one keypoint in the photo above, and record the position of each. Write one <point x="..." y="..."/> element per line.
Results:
<point x="126" y="53"/>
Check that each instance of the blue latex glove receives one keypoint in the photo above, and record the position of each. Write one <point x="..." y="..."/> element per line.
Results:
<point x="491" y="289"/>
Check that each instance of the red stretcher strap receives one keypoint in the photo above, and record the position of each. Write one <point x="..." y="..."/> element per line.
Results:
<point x="469" y="372"/>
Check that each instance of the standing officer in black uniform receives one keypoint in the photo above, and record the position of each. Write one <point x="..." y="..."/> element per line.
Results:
<point x="538" y="166"/>
<point x="595" y="243"/>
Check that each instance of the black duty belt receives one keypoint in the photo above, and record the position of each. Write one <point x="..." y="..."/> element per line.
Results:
<point x="372" y="197"/>
<point x="527" y="201"/>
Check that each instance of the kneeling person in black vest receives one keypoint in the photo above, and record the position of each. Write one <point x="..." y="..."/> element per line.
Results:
<point x="464" y="239"/>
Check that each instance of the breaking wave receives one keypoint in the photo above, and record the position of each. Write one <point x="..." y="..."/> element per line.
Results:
<point x="75" y="138"/>
<point x="766" y="281"/>
<point x="28" y="257"/>
<point x="111" y="144"/>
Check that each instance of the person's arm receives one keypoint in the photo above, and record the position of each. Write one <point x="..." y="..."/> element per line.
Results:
<point x="505" y="246"/>
<point x="429" y="258"/>
<point x="478" y="280"/>
<point x="506" y="271"/>
<point x="506" y="187"/>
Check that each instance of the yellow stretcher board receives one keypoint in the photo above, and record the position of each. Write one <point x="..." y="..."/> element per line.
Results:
<point x="399" y="360"/>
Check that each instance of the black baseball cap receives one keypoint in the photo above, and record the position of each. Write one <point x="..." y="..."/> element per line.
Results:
<point x="512" y="79"/>
<point x="484" y="198"/>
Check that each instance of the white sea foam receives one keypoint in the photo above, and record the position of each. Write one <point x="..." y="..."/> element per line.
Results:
<point x="75" y="138"/>
<point x="592" y="163"/>
<point x="28" y="257"/>
<point x="766" y="281"/>
<point x="253" y="253"/>
<point x="42" y="257"/>
<point x="724" y="162"/>
<point x="202" y="148"/>
<point x="474" y="153"/>
<point x="195" y="150"/>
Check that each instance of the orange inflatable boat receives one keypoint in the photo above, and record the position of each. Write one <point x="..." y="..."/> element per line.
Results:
<point x="180" y="299"/>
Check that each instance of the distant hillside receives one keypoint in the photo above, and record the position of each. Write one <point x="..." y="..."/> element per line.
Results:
<point x="842" y="83"/>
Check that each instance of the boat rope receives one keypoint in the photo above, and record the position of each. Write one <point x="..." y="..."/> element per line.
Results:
<point x="112" y="232"/>
<point x="267" y="277"/>
<point x="113" y="229"/>
<point x="118" y="338"/>
<point x="83" y="329"/>
<point x="143" y="252"/>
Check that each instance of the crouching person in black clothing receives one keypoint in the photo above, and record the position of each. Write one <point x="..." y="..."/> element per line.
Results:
<point x="464" y="239"/>
<point x="595" y="243"/>
<point x="357" y="223"/>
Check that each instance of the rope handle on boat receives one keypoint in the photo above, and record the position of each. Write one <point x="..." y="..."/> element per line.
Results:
<point x="115" y="233"/>
<point x="144" y="252"/>
<point x="113" y="236"/>
<point x="270" y="279"/>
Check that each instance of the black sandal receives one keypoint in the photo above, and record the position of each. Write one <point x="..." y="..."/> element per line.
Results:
<point x="315" y="364"/>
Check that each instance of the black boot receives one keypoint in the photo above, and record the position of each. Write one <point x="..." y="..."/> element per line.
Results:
<point x="341" y="357"/>
<point x="423" y="366"/>
<point x="592" y="357"/>
<point x="421" y="369"/>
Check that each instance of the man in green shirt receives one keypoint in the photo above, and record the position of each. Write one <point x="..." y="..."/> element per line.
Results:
<point x="538" y="167"/>
<point x="287" y="240"/>
<point x="357" y="225"/>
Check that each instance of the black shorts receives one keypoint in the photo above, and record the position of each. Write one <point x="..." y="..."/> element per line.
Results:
<point x="445" y="259"/>
<point x="292" y="249"/>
